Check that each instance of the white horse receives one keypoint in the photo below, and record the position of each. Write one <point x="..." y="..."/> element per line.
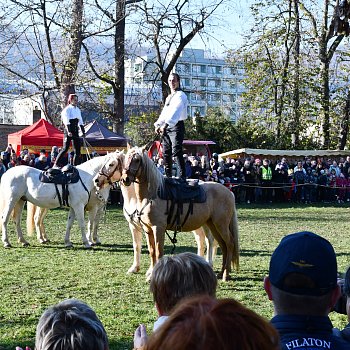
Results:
<point x="21" y="183"/>
<point x="95" y="207"/>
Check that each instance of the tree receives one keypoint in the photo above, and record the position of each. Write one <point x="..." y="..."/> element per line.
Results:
<point x="217" y="127"/>
<point x="168" y="26"/>
<point x="116" y="32"/>
<point x="289" y="62"/>
<point x="51" y="34"/>
<point x="140" y="128"/>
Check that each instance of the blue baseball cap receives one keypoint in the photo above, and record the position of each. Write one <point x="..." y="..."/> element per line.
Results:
<point x="307" y="254"/>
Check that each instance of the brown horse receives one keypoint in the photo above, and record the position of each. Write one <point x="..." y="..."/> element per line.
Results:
<point x="218" y="213"/>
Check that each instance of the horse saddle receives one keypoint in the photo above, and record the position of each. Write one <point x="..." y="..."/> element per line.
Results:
<point x="67" y="175"/>
<point x="179" y="191"/>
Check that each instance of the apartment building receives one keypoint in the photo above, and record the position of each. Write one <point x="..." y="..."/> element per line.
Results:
<point x="207" y="81"/>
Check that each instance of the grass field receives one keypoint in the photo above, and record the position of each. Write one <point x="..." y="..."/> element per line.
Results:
<point x="33" y="278"/>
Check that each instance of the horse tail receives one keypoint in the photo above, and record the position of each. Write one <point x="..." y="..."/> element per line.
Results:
<point x="234" y="232"/>
<point x="31" y="208"/>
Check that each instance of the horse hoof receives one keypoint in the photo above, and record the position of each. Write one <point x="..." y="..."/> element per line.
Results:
<point x="25" y="244"/>
<point x="98" y="243"/>
<point x="133" y="270"/>
<point x="7" y="245"/>
<point x="69" y="245"/>
<point x="88" y="246"/>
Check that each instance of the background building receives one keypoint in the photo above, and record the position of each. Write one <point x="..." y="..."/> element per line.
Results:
<point x="208" y="81"/>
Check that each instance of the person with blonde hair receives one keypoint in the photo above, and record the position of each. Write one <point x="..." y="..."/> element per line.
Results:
<point x="173" y="279"/>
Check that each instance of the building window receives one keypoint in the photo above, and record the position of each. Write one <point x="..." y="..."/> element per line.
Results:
<point x="138" y="67"/>
<point x="186" y="82"/>
<point x="214" y="83"/>
<point x="198" y="68"/>
<point x="228" y="98"/>
<point x="197" y="83"/>
<point x="183" y="68"/>
<point x="213" y="97"/>
<point x="196" y="96"/>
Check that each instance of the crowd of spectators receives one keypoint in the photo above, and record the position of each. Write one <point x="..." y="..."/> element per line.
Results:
<point x="42" y="161"/>
<point x="255" y="180"/>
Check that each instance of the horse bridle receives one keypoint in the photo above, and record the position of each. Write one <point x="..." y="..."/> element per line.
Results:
<point x="108" y="176"/>
<point x="133" y="170"/>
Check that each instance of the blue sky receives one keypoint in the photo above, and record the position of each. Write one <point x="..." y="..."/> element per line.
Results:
<point x="228" y="34"/>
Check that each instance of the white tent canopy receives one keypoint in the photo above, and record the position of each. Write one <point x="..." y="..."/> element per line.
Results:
<point x="247" y="152"/>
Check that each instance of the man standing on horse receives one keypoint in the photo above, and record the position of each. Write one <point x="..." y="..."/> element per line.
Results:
<point x="170" y="126"/>
<point x="71" y="119"/>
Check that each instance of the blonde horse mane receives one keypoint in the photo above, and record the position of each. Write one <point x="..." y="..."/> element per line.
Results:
<point x="154" y="176"/>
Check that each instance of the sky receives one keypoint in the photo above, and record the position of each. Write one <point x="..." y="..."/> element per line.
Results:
<point x="228" y="33"/>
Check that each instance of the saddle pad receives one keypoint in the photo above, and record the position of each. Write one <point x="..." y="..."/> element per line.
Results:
<point x="59" y="177"/>
<point x="178" y="191"/>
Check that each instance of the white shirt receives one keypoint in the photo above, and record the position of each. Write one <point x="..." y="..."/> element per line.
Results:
<point x="159" y="322"/>
<point x="175" y="109"/>
<point x="71" y="112"/>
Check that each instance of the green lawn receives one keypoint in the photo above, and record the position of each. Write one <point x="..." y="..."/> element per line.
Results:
<point x="33" y="278"/>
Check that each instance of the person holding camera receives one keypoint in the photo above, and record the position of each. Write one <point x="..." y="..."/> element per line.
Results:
<point x="302" y="285"/>
<point x="343" y="305"/>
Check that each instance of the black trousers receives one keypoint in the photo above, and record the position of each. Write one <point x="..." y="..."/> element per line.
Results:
<point x="76" y="148"/>
<point x="172" y="147"/>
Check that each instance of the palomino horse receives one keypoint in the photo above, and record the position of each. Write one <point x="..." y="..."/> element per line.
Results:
<point x="21" y="183"/>
<point x="221" y="219"/>
<point x="135" y="225"/>
<point x="132" y="217"/>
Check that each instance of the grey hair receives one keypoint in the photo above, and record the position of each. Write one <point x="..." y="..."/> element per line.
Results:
<point x="70" y="325"/>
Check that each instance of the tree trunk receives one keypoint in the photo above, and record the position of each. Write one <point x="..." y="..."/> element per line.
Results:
<point x="296" y="80"/>
<point x="71" y="60"/>
<point x="344" y="128"/>
<point x="119" y="54"/>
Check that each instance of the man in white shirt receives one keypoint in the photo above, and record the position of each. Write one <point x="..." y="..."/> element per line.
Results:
<point x="170" y="125"/>
<point x="71" y="119"/>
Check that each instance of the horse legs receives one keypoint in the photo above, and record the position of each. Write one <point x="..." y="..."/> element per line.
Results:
<point x="155" y="246"/>
<point x="203" y="234"/>
<point x="92" y="226"/>
<point x="152" y="252"/>
<point x="136" y="242"/>
<point x="96" y="221"/>
<point x="15" y="208"/>
<point x="39" y="216"/>
<point x="17" y="216"/>
<point x="70" y="220"/>
<point x="199" y="236"/>
<point x="222" y="235"/>
<point x="79" y="212"/>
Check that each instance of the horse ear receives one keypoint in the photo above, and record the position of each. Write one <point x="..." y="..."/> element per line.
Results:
<point x="128" y="146"/>
<point x="144" y="148"/>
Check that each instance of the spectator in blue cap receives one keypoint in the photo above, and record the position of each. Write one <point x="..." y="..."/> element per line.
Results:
<point x="302" y="285"/>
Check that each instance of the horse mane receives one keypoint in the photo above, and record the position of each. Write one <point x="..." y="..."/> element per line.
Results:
<point x="95" y="163"/>
<point x="154" y="176"/>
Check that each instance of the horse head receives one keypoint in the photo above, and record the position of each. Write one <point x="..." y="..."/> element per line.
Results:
<point x="111" y="171"/>
<point x="133" y="166"/>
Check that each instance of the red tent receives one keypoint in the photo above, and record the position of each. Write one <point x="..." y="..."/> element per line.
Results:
<point x="41" y="135"/>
